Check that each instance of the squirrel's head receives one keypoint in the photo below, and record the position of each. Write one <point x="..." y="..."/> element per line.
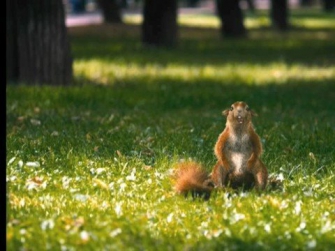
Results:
<point x="239" y="113"/>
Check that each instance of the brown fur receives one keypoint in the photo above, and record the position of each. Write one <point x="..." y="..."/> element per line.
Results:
<point x="190" y="177"/>
<point x="238" y="150"/>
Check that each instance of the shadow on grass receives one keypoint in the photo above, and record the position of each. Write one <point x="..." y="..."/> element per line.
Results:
<point x="202" y="46"/>
<point x="167" y="104"/>
<point x="169" y="94"/>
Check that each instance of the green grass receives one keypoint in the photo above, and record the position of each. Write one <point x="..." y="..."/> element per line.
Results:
<point x="88" y="166"/>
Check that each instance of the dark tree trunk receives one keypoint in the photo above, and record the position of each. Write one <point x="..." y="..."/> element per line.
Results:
<point x="38" y="49"/>
<point x="279" y="14"/>
<point x="304" y="3"/>
<point x="251" y="5"/>
<point x="231" y="18"/>
<point x="12" y="68"/>
<point x="328" y="5"/>
<point x="111" y="11"/>
<point x="159" y="27"/>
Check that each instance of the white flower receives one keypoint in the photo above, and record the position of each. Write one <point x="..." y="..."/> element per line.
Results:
<point x="11" y="161"/>
<point x="35" y="122"/>
<point x="132" y="176"/>
<point x="84" y="235"/>
<point x="237" y="217"/>
<point x="115" y="232"/>
<point x="169" y="218"/>
<point x="47" y="224"/>
<point x="267" y="228"/>
<point x="297" y="208"/>
<point x="33" y="164"/>
<point x="311" y="244"/>
<point x="118" y="208"/>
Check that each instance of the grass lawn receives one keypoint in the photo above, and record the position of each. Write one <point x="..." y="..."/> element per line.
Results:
<point x="88" y="166"/>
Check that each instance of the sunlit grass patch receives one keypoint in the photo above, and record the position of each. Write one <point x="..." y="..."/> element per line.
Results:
<point x="313" y="18"/>
<point x="109" y="72"/>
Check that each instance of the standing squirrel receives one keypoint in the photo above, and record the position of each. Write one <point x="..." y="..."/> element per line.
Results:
<point x="238" y="151"/>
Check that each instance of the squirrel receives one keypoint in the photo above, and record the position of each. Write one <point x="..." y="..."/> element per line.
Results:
<point x="238" y="150"/>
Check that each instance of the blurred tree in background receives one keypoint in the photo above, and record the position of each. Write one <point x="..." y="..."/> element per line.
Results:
<point x="231" y="17"/>
<point x="279" y="14"/>
<point x="111" y="11"/>
<point x="159" y="27"/>
<point x="328" y="5"/>
<point x="38" y="49"/>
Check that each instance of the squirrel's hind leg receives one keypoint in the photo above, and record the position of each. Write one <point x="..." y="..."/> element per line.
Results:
<point x="219" y="175"/>
<point x="261" y="175"/>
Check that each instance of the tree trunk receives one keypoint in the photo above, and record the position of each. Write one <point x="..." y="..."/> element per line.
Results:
<point x="328" y="5"/>
<point x="38" y="49"/>
<point x="12" y="68"/>
<point x="231" y="18"/>
<point x="159" y="27"/>
<point x="279" y="14"/>
<point x="251" y="5"/>
<point x="111" y="11"/>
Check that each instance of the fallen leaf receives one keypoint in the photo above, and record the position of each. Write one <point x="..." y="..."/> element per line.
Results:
<point x="100" y="183"/>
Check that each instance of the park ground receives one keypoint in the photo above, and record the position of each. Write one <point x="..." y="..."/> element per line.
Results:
<point x="89" y="165"/>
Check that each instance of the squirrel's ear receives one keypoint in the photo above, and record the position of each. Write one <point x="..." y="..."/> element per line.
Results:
<point x="225" y="112"/>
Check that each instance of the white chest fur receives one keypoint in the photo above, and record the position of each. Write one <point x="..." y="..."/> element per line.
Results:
<point x="239" y="150"/>
<point x="237" y="159"/>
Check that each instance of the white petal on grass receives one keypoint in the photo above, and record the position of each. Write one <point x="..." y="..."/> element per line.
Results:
<point x="30" y="185"/>
<point x="309" y="192"/>
<point x="158" y="175"/>
<point x="169" y="218"/>
<point x="118" y="208"/>
<point x="132" y="176"/>
<point x="267" y="228"/>
<point x="84" y="236"/>
<point x="20" y="163"/>
<point x="311" y="244"/>
<point x="237" y="217"/>
<point x="217" y="233"/>
<point x="227" y="232"/>
<point x="297" y="208"/>
<point x="22" y="202"/>
<point x="11" y="161"/>
<point x="55" y="134"/>
<point x="35" y="122"/>
<point x="80" y="197"/>
<point x="327" y="227"/>
<point x="283" y="204"/>
<point x="23" y="231"/>
<point x="115" y="232"/>
<point x="280" y="177"/>
<point x="100" y="170"/>
<point x="301" y="226"/>
<point x="33" y="164"/>
<point x="111" y="185"/>
<point x="47" y="224"/>
<point x="66" y="182"/>
<point x="11" y="178"/>
<point x="122" y="187"/>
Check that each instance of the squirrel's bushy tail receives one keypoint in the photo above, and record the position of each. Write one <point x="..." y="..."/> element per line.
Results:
<point x="190" y="177"/>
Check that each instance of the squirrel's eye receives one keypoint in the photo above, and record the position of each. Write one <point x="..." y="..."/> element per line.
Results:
<point x="231" y="108"/>
<point x="247" y="108"/>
